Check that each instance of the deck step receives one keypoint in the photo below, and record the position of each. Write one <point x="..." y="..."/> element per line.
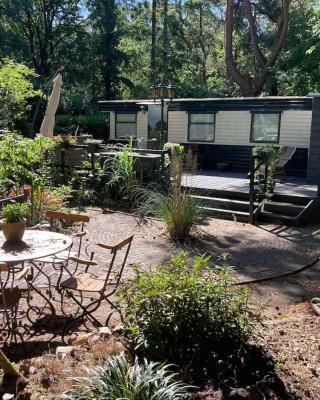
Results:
<point x="220" y="193"/>
<point x="222" y="203"/>
<point x="223" y="213"/>
<point x="283" y="208"/>
<point x="278" y="217"/>
<point x="291" y="199"/>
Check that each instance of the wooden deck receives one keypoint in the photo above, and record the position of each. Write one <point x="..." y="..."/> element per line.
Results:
<point x="239" y="182"/>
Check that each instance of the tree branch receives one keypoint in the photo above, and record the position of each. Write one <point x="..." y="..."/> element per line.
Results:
<point x="282" y="29"/>
<point x="244" y="81"/>
<point x="253" y="34"/>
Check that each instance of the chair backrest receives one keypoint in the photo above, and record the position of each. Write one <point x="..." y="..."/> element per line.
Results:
<point x="124" y="245"/>
<point x="286" y="153"/>
<point x="76" y="218"/>
<point x="67" y="217"/>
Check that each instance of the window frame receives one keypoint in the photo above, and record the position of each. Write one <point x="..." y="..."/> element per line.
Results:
<point x="116" y="123"/>
<point x="252" y="122"/>
<point x="202" y="123"/>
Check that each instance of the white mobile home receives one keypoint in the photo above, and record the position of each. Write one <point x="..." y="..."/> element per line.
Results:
<point x="225" y="130"/>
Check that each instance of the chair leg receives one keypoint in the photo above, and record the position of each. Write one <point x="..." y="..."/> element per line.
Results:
<point x="116" y="310"/>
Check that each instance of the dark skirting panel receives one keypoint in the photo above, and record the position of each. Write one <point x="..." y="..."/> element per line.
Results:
<point x="239" y="158"/>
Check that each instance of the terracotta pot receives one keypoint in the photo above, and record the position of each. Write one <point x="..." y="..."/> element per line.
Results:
<point x="13" y="232"/>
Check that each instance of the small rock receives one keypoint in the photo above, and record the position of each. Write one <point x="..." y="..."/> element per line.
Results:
<point x="32" y="370"/>
<point x="83" y="339"/>
<point x="282" y="332"/>
<point x="118" y="329"/>
<point x="64" y="351"/>
<point x="105" y="332"/>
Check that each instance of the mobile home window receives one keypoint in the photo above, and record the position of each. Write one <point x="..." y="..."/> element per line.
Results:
<point x="126" y="125"/>
<point x="201" y="127"/>
<point x="265" y="127"/>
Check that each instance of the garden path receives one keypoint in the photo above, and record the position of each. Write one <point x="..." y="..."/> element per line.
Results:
<point x="255" y="253"/>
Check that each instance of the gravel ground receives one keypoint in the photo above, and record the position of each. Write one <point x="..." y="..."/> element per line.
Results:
<point x="292" y="337"/>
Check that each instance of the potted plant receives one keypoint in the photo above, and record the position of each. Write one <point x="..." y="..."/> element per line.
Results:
<point x="13" y="223"/>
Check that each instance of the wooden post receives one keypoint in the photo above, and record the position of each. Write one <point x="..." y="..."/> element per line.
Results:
<point x="318" y="179"/>
<point x="63" y="155"/>
<point x="7" y="367"/>
<point x="251" y="192"/>
<point x="12" y="380"/>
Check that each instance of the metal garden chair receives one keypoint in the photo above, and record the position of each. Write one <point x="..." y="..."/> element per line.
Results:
<point x="61" y="260"/>
<point x="82" y="287"/>
<point x="10" y="296"/>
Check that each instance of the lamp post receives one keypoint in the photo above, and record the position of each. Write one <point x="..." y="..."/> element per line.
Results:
<point x="162" y="92"/>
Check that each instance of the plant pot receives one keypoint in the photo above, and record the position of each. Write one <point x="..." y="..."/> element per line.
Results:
<point x="13" y="232"/>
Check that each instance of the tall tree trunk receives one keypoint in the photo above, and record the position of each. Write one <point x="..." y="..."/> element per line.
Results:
<point x="243" y="81"/>
<point x="165" y="41"/>
<point x="248" y="85"/>
<point x="204" y="72"/>
<point x="153" y="41"/>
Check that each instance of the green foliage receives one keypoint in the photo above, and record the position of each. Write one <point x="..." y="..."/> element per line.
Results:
<point x="117" y="379"/>
<point x="175" y="208"/>
<point x="16" y="88"/>
<point x="188" y="314"/>
<point x="270" y="154"/>
<point x="88" y="124"/>
<point x="120" y="173"/>
<point x="180" y="214"/>
<point x="14" y="212"/>
<point x="25" y="161"/>
<point x="75" y="34"/>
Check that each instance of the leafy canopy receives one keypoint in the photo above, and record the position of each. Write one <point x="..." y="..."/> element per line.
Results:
<point x="16" y="88"/>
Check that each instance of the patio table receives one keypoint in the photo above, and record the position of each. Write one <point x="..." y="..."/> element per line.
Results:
<point x="35" y="245"/>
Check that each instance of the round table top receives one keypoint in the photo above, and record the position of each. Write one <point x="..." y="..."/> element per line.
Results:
<point x="35" y="244"/>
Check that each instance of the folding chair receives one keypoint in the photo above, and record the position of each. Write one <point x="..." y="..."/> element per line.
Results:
<point x="10" y="295"/>
<point x="286" y="154"/>
<point x="85" y="285"/>
<point x="57" y="218"/>
<point x="60" y="261"/>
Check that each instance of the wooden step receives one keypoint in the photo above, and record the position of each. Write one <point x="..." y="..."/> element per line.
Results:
<point x="223" y="203"/>
<point x="282" y="208"/>
<point x="227" y="214"/>
<point x="291" y="199"/>
<point x="278" y="217"/>
<point x="230" y="194"/>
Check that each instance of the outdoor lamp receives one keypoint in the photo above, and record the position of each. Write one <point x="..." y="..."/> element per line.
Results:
<point x="153" y="88"/>
<point x="161" y="88"/>
<point x="171" y="91"/>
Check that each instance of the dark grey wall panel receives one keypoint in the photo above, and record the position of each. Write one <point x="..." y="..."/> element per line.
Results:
<point x="314" y="152"/>
<point x="239" y="158"/>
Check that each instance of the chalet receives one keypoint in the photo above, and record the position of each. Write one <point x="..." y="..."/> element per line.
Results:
<point x="224" y="130"/>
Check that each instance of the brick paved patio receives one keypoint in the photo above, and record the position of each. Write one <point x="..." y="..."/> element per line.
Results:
<point x="256" y="253"/>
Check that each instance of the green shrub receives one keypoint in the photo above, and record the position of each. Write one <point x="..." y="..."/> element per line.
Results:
<point x="26" y="161"/>
<point x="117" y="380"/>
<point x="14" y="212"/>
<point x="186" y="314"/>
<point x="120" y="173"/>
<point x="180" y="213"/>
<point x="90" y="124"/>
<point x="174" y="207"/>
<point x="16" y="88"/>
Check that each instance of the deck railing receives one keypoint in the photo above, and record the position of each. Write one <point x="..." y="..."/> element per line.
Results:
<point x="258" y="187"/>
